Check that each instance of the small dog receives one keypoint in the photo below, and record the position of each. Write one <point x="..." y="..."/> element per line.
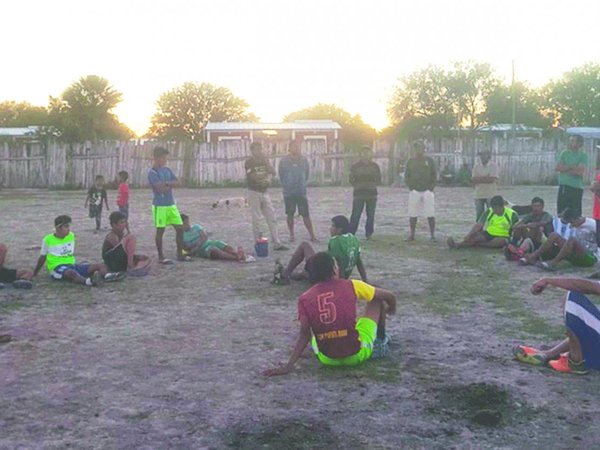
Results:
<point x="239" y="202"/>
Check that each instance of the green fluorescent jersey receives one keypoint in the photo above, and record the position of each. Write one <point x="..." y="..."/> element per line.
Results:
<point x="58" y="251"/>
<point x="345" y="248"/>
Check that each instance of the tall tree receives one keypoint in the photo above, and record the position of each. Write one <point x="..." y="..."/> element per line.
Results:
<point x="575" y="98"/>
<point x="355" y="132"/>
<point x="84" y="111"/>
<point x="22" y="114"/>
<point x="529" y="106"/>
<point x="183" y="112"/>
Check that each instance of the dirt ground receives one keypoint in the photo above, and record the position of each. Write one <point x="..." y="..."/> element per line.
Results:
<point x="173" y="360"/>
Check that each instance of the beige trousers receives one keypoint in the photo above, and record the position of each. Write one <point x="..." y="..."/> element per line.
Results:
<point x="260" y="205"/>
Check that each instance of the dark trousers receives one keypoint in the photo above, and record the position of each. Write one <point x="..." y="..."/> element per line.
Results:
<point x="568" y="197"/>
<point x="357" y="208"/>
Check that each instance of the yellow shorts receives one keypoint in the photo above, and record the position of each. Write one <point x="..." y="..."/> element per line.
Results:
<point x="164" y="216"/>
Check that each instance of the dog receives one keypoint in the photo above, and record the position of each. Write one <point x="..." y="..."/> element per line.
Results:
<point x="239" y="202"/>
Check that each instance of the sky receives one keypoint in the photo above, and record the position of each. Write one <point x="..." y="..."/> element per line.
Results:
<point x="278" y="55"/>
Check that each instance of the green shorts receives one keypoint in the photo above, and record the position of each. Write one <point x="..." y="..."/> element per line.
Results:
<point x="367" y="333"/>
<point x="209" y="245"/>
<point x="164" y="216"/>
<point x="586" y="260"/>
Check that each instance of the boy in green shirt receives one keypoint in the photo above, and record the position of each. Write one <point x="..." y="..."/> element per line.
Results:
<point x="571" y="167"/>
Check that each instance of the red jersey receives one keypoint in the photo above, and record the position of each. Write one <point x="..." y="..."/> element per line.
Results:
<point x="596" y="212"/>
<point x="330" y="308"/>
<point x="123" y="195"/>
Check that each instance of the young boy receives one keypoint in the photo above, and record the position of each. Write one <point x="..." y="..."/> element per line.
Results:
<point x="118" y="249"/>
<point x="58" y="252"/>
<point x="95" y="197"/>
<point x="20" y="278"/>
<point x="343" y="246"/>
<point x="196" y="243"/>
<point x="123" y="196"/>
<point x="327" y="314"/>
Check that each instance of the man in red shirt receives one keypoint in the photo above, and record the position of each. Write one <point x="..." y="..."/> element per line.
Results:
<point x="123" y="196"/>
<point x="327" y="314"/>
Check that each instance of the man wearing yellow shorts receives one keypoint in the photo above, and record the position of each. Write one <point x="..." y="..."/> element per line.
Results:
<point x="164" y="211"/>
<point x="327" y="314"/>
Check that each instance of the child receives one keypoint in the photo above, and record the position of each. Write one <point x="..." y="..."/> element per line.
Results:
<point x="196" y="243"/>
<point x="118" y="250"/>
<point x="20" y="278"/>
<point x="123" y="197"/>
<point x="58" y="251"/>
<point x="327" y="314"/>
<point x="95" y="196"/>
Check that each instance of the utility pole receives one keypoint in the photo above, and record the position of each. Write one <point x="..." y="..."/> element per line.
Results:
<point x="514" y="108"/>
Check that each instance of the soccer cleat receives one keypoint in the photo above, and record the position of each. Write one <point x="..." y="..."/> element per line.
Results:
<point x="529" y="355"/>
<point x="564" y="364"/>
<point x="381" y="347"/>
<point x="114" y="276"/>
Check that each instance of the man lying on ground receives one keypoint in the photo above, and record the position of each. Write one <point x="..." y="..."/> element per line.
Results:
<point x="530" y="231"/>
<point x="196" y="243"/>
<point x="579" y="248"/>
<point x="580" y="351"/>
<point x="343" y="246"/>
<point x="327" y="312"/>
<point x="492" y="229"/>
<point x="118" y="249"/>
<point x="19" y="278"/>
<point x="58" y="253"/>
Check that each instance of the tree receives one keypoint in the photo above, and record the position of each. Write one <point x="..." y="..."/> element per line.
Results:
<point x="576" y="97"/>
<point x="528" y="106"/>
<point x="23" y="114"/>
<point x="84" y="111"/>
<point x="183" y="112"/>
<point x="355" y="132"/>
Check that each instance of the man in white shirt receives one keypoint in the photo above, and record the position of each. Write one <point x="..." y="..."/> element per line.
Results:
<point x="484" y="179"/>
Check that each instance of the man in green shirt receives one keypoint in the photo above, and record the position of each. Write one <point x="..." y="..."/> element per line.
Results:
<point x="343" y="246"/>
<point x="571" y="167"/>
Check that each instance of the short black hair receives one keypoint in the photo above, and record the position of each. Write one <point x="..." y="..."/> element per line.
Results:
<point x="418" y="145"/>
<point x="99" y="177"/>
<point x="496" y="200"/>
<point x="578" y="138"/>
<point x="184" y="217"/>
<point x="537" y="200"/>
<point x="160" y="151"/>
<point x="62" y="220"/>
<point x="116" y="217"/>
<point x="320" y="267"/>
<point x="569" y="214"/>
<point x="342" y="223"/>
<point x="124" y="174"/>
<point x="255" y="146"/>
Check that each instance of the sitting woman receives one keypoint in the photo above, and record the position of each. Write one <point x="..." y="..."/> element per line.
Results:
<point x="118" y="250"/>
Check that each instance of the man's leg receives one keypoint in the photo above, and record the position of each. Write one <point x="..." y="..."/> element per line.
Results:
<point x="25" y="274"/>
<point x="497" y="242"/>
<point x="357" y="208"/>
<point x="370" y="226"/>
<point x="561" y="199"/>
<point x="570" y="247"/>
<point x="179" y="241"/>
<point x="228" y="254"/>
<point x="553" y="239"/>
<point x="101" y="268"/>
<point x="412" y="222"/>
<point x="304" y="212"/>
<point x="3" y="253"/>
<point x="158" y="240"/>
<point x="290" y="224"/>
<point x="479" y="207"/>
<point x="74" y="277"/>
<point x="269" y="213"/>
<point x="255" y="212"/>
<point x="290" y="210"/>
<point x="431" y="222"/>
<point x="302" y="253"/>
<point x="429" y="209"/>
<point x="577" y="196"/>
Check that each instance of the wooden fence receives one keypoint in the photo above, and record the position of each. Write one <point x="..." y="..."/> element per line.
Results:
<point x="52" y="164"/>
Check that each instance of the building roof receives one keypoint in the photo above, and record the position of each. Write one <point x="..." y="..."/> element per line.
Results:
<point x="585" y="132"/>
<point x="298" y="125"/>
<point x="502" y="127"/>
<point x="19" y="131"/>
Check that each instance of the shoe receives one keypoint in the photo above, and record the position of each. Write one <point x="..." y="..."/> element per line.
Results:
<point x="564" y="364"/>
<point x="114" y="276"/>
<point x="278" y="278"/>
<point x="22" y="284"/>
<point x="166" y="261"/>
<point x="545" y="266"/>
<point x="249" y="258"/>
<point x="529" y="355"/>
<point x="94" y="280"/>
<point x="381" y="347"/>
<point x="280" y="247"/>
<point x="184" y="259"/>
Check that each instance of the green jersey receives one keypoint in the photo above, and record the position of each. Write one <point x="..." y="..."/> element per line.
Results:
<point x="58" y="251"/>
<point x="573" y="159"/>
<point x="345" y="248"/>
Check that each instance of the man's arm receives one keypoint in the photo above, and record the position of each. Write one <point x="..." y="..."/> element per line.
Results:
<point x="40" y="263"/>
<point x="361" y="269"/>
<point x="105" y="198"/>
<point x="570" y="284"/>
<point x="302" y="341"/>
<point x="377" y="174"/>
<point x="386" y="297"/>
<point x="432" y="174"/>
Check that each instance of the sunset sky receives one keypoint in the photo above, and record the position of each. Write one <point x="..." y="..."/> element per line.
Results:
<point x="281" y="56"/>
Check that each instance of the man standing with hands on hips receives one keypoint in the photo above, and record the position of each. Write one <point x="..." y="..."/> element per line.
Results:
<point x="420" y="177"/>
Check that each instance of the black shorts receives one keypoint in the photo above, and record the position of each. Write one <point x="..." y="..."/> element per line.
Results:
<point x="95" y="211"/>
<point x="293" y="202"/>
<point x="116" y="259"/>
<point x="7" y="275"/>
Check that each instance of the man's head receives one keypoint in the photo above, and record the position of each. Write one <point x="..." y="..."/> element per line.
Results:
<point x="186" y="221"/>
<point x="537" y="205"/>
<point x="497" y="204"/>
<point x="62" y="226"/>
<point x="118" y="221"/>
<point x="365" y="153"/>
<point x="256" y="149"/>
<point x="575" y="142"/>
<point x="485" y="157"/>
<point x="321" y="267"/>
<point x="123" y="176"/>
<point x="418" y="149"/>
<point x="295" y="149"/>
<point x="339" y="225"/>
<point x="160" y="156"/>
<point x="99" y="181"/>
<point x="569" y="215"/>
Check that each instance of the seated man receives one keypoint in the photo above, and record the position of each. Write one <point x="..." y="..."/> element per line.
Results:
<point x="343" y="246"/>
<point x="530" y="231"/>
<point x="20" y="278"/>
<point x="118" y="249"/>
<point x="580" y="351"/>
<point x="579" y="248"/>
<point x="327" y="312"/>
<point x="58" y="251"/>
<point x="196" y="243"/>
<point x="492" y="229"/>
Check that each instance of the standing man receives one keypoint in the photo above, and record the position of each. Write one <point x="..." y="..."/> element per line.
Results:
<point x="293" y="173"/>
<point x="484" y="179"/>
<point x="365" y="175"/>
<point x="258" y="177"/>
<point x="164" y="212"/>
<point x="571" y="167"/>
<point x="421" y="177"/>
